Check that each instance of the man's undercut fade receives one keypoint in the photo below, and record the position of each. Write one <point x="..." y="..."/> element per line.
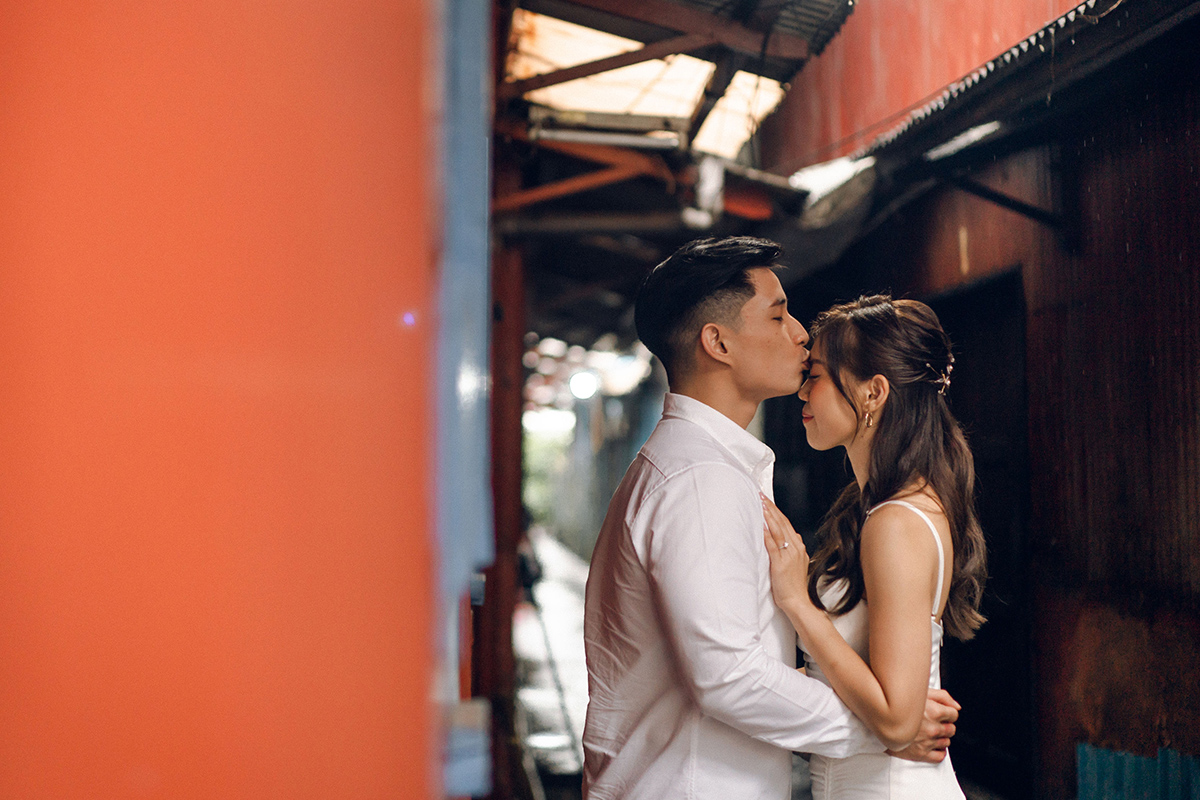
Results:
<point x="706" y="280"/>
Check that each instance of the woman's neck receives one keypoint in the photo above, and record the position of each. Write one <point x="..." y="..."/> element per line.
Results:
<point x="859" y="453"/>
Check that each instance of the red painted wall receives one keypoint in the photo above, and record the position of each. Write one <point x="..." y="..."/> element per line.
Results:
<point x="215" y="560"/>
<point x="890" y="56"/>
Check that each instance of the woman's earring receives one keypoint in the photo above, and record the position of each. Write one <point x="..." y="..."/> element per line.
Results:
<point x="867" y="419"/>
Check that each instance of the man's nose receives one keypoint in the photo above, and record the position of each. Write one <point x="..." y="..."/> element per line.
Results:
<point x="800" y="335"/>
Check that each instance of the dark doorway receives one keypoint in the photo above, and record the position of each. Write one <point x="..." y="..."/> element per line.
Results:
<point x="992" y="674"/>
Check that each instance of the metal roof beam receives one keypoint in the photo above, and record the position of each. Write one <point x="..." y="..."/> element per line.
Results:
<point x="667" y="47"/>
<point x="567" y="186"/>
<point x="685" y="19"/>
<point x="718" y="84"/>
<point x="1047" y="218"/>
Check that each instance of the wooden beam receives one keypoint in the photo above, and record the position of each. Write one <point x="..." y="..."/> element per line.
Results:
<point x="667" y="47"/>
<point x="567" y="186"/>
<point x="678" y="17"/>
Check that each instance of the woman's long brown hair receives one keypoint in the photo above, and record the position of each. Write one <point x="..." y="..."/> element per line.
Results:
<point x="917" y="439"/>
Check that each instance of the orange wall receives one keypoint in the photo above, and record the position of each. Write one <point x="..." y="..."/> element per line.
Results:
<point x="215" y="567"/>
<point x="890" y="55"/>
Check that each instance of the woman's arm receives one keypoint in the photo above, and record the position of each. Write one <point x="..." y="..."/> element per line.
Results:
<point x="899" y="569"/>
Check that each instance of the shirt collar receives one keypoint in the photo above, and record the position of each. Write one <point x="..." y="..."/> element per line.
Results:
<point x="755" y="456"/>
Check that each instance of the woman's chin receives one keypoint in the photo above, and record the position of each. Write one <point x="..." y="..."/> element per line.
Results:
<point x="815" y="443"/>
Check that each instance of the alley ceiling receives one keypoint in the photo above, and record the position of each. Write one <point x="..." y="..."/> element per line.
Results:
<point x="625" y="128"/>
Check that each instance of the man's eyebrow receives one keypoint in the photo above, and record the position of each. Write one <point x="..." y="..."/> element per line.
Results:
<point x="782" y="301"/>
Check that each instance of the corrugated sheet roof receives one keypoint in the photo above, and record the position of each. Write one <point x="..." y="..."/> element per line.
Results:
<point x="815" y="21"/>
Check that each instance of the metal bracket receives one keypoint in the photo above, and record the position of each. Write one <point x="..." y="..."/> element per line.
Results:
<point x="1047" y="218"/>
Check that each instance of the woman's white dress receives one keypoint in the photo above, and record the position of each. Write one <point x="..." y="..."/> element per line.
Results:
<point x="880" y="776"/>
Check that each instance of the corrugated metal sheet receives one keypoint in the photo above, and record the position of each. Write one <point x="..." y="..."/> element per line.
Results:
<point x="815" y="21"/>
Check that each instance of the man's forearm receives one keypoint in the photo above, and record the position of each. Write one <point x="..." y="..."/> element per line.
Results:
<point x="770" y="701"/>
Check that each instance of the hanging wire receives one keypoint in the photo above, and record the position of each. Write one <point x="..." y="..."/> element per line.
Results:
<point x="1094" y="18"/>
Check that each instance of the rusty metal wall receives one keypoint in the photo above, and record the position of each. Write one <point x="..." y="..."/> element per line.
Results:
<point x="1115" y="382"/>
<point x="1114" y="397"/>
<point x="1113" y="392"/>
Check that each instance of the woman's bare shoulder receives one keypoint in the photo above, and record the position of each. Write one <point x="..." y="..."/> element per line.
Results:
<point x="897" y="536"/>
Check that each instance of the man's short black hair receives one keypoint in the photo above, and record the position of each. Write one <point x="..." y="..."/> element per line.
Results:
<point x="706" y="280"/>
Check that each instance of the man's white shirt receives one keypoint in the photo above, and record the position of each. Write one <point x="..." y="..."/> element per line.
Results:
<point x="693" y="691"/>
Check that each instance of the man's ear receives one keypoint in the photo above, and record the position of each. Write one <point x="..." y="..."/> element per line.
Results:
<point x="713" y="342"/>
<point x="878" y="390"/>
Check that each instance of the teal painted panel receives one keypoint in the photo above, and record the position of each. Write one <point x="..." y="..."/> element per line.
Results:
<point x="1113" y="775"/>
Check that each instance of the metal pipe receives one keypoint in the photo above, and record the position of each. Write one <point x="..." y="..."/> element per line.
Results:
<point x="667" y="141"/>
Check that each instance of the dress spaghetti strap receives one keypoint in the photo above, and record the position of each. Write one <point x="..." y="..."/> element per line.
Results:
<point x="937" y="596"/>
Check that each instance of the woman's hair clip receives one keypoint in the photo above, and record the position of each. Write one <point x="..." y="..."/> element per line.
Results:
<point x="943" y="378"/>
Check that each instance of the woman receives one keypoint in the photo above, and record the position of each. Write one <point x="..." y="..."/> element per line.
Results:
<point x="901" y="556"/>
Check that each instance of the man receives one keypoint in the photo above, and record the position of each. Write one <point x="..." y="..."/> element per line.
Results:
<point x="691" y="667"/>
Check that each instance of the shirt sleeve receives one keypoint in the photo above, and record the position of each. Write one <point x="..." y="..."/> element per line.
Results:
<point x="705" y="557"/>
